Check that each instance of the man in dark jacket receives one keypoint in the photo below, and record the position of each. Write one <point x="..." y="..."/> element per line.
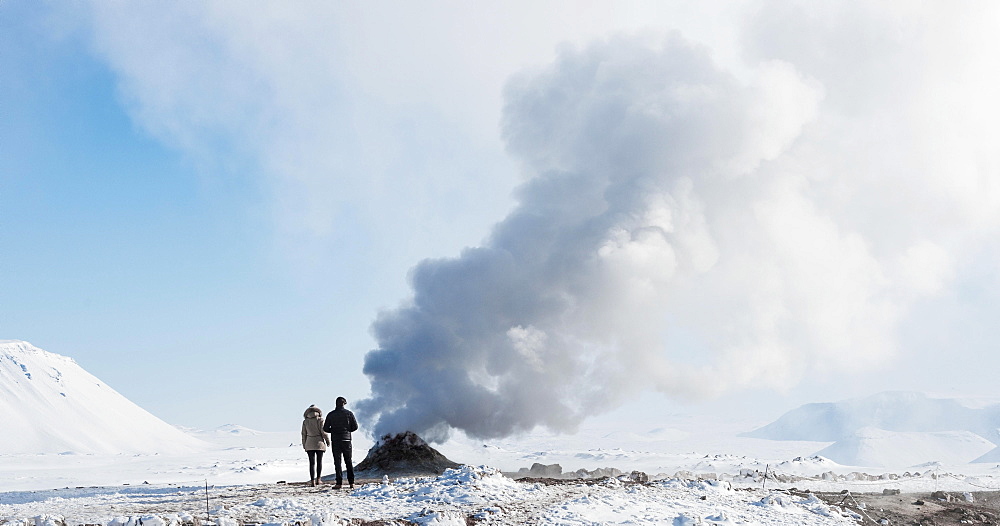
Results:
<point x="340" y="423"/>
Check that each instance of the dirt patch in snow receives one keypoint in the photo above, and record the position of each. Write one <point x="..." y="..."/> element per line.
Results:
<point x="924" y="509"/>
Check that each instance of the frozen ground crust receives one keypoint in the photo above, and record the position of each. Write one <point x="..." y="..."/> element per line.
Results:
<point x="478" y="493"/>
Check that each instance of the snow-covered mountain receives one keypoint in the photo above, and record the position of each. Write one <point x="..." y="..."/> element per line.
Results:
<point x="874" y="447"/>
<point x="902" y="411"/>
<point x="49" y="404"/>
<point x="892" y="428"/>
<point x="991" y="457"/>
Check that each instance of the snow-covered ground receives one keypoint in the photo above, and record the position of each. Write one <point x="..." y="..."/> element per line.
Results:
<point x="480" y="493"/>
<point x="703" y="470"/>
<point x="256" y="477"/>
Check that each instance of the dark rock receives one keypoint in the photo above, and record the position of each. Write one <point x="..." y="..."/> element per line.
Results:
<point x="404" y="454"/>
<point x="543" y="470"/>
<point x="604" y="472"/>
<point x="638" y="476"/>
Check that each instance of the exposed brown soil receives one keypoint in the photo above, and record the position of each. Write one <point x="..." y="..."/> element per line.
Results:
<point x="923" y="509"/>
<point x="551" y="481"/>
<point x="906" y="509"/>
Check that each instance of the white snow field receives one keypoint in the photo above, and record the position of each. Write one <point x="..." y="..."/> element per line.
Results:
<point x="702" y="471"/>
<point x="450" y="499"/>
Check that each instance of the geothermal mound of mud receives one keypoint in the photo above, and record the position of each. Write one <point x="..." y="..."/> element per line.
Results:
<point x="403" y="454"/>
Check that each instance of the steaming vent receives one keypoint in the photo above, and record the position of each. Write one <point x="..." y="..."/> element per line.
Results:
<point x="403" y="454"/>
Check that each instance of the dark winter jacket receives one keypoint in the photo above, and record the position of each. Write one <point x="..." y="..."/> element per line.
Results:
<point x="339" y="423"/>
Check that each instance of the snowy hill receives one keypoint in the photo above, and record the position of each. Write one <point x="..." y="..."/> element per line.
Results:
<point x="891" y="411"/>
<point x="991" y="457"/>
<point x="874" y="447"/>
<point x="893" y="429"/>
<point x="49" y="404"/>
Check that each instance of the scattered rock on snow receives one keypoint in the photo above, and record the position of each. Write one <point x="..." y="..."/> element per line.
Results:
<point x="638" y="476"/>
<point x="541" y="470"/>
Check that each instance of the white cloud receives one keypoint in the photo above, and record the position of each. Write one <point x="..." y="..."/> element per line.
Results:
<point x="350" y="117"/>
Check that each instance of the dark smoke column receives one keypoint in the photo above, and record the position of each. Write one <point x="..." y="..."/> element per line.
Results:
<point x="558" y="315"/>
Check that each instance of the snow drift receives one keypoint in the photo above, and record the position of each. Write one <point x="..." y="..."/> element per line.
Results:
<point x="49" y="404"/>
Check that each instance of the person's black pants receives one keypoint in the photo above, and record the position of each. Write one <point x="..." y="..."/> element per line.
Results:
<point x="316" y="464"/>
<point x="342" y="448"/>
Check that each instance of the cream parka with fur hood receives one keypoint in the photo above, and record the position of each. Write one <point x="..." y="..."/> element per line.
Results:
<point x="313" y="436"/>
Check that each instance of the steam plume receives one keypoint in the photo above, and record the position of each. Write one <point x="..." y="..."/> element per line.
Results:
<point x="672" y="233"/>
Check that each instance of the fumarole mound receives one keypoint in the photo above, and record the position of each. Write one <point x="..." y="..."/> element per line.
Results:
<point x="403" y="454"/>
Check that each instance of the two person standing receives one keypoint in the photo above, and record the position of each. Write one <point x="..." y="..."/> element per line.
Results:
<point x="340" y="423"/>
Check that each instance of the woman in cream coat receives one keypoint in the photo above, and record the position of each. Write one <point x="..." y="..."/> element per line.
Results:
<point x="314" y="441"/>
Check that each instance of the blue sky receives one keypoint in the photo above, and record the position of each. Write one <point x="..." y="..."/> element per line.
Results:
<point x="150" y="271"/>
<point x="207" y="207"/>
<point x="163" y="271"/>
